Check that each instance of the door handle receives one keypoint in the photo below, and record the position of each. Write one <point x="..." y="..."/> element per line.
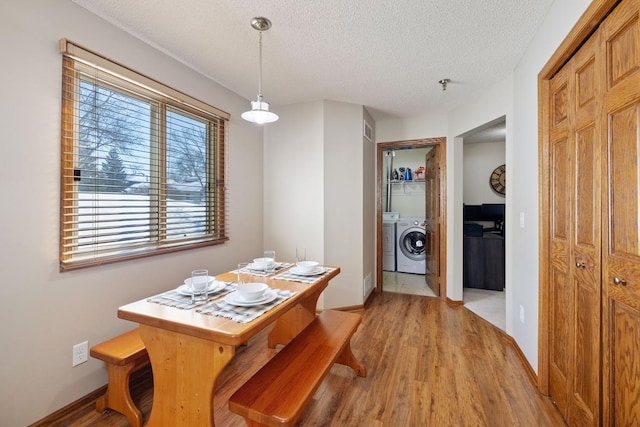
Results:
<point x="619" y="281"/>
<point x="580" y="264"/>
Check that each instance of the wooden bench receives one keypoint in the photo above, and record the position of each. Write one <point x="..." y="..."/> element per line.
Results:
<point x="122" y="355"/>
<point x="277" y="394"/>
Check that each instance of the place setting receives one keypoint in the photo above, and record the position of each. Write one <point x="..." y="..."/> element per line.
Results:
<point x="304" y="271"/>
<point x="196" y="290"/>
<point x="266" y="265"/>
<point x="248" y="300"/>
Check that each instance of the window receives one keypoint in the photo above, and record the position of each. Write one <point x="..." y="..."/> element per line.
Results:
<point x="143" y="165"/>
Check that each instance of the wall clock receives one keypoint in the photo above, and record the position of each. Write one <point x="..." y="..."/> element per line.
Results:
<point x="497" y="180"/>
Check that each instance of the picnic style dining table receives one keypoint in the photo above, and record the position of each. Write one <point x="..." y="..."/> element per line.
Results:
<point x="188" y="346"/>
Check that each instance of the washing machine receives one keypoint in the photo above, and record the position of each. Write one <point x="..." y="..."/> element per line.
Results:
<point x="389" y="220"/>
<point x="410" y="251"/>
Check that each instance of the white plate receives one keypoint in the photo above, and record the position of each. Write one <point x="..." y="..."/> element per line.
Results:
<point x="234" y="298"/>
<point x="213" y="286"/>
<point x="314" y="272"/>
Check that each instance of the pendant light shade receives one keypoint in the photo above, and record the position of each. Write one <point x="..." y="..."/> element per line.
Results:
<point x="259" y="112"/>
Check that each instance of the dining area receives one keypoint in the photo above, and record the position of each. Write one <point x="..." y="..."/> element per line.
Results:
<point x="191" y="332"/>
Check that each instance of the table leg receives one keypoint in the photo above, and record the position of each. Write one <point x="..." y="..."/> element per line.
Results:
<point x="289" y="325"/>
<point x="185" y="369"/>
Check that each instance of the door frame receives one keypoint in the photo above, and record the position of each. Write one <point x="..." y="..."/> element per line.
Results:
<point x="413" y="143"/>
<point x="595" y="13"/>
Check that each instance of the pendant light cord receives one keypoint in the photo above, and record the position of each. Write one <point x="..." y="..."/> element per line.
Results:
<point x="260" y="70"/>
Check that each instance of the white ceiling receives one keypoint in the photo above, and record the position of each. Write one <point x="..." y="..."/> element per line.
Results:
<point x="385" y="55"/>
<point x="494" y="131"/>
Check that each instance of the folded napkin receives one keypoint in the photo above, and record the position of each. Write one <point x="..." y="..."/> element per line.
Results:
<point x="289" y="275"/>
<point x="174" y="299"/>
<point x="244" y="314"/>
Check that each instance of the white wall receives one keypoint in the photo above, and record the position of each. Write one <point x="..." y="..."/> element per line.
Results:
<point x="523" y="172"/>
<point x="407" y="128"/>
<point x="343" y="195"/>
<point x="483" y="108"/>
<point x="479" y="160"/>
<point x="315" y="192"/>
<point x="45" y="312"/>
<point x="293" y="182"/>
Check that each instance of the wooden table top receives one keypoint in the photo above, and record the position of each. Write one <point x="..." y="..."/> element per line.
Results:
<point x="217" y="328"/>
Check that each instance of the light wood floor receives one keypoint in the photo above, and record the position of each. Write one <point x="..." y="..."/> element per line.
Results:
<point x="428" y="364"/>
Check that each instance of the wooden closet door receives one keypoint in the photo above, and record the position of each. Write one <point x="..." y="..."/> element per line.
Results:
<point x="621" y="278"/>
<point x="584" y="389"/>
<point x="432" y="219"/>
<point x="561" y="309"/>
<point x="575" y="217"/>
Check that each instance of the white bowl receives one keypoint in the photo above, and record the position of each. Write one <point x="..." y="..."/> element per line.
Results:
<point x="252" y="291"/>
<point x="307" y="266"/>
<point x="262" y="263"/>
<point x="210" y="280"/>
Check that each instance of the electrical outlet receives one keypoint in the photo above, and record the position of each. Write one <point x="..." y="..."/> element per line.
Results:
<point x="80" y="353"/>
<point x="522" y="314"/>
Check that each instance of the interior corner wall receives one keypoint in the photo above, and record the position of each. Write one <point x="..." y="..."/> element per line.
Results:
<point x="293" y="182"/>
<point x="314" y="192"/>
<point x="343" y="195"/>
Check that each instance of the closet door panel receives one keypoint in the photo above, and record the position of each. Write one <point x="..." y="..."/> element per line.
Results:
<point x="584" y="393"/>
<point x="621" y="276"/>
<point x="561" y="298"/>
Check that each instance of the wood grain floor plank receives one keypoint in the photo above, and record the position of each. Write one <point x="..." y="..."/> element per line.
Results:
<point x="428" y="364"/>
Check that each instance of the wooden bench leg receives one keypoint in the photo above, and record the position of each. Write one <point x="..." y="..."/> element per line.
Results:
<point x="118" y="396"/>
<point x="347" y="358"/>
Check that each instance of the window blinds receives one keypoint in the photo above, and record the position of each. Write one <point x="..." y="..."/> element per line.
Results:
<point x="143" y="165"/>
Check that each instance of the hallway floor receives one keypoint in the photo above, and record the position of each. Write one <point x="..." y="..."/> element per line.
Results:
<point x="405" y="283"/>
<point x="490" y="305"/>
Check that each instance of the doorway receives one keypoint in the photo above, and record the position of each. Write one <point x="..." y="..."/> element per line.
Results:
<point x="483" y="285"/>
<point x="415" y="283"/>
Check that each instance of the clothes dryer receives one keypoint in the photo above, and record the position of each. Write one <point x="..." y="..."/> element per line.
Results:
<point x="410" y="251"/>
<point x="389" y="220"/>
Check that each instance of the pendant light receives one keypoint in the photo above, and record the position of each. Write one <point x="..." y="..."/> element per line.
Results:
<point x="259" y="112"/>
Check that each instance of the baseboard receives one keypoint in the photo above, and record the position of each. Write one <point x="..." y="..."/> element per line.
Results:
<point x="62" y="413"/>
<point x="370" y="297"/>
<point x="454" y="303"/>
<point x="527" y="367"/>
<point x="86" y="400"/>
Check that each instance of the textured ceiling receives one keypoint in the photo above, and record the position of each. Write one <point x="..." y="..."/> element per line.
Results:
<point x="385" y="55"/>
